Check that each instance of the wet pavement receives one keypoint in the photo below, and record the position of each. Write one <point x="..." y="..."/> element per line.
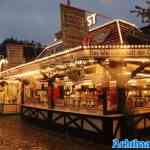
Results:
<point x="17" y="134"/>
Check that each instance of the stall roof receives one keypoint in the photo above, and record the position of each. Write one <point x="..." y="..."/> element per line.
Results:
<point x="77" y="53"/>
<point x="53" y="47"/>
<point x="116" y="32"/>
<point x="111" y="33"/>
<point x="111" y="36"/>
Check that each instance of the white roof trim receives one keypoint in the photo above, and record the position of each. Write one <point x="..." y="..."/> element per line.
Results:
<point x="115" y="20"/>
<point x="66" y="51"/>
<point x="50" y="46"/>
<point x="54" y="44"/>
<point x="119" y="32"/>
<point x="100" y="26"/>
<point x="127" y="22"/>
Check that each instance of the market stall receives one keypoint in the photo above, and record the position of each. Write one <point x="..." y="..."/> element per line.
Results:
<point x="72" y="86"/>
<point x="90" y="86"/>
<point x="81" y="88"/>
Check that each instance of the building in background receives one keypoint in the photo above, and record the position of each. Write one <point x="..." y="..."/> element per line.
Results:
<point x="91" y="74"/>
<point x="18" y="52"/>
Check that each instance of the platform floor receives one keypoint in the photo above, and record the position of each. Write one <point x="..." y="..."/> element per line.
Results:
<point x="17" y="134"/>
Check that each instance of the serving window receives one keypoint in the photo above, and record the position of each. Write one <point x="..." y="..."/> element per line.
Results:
<point x="35" y="92"/>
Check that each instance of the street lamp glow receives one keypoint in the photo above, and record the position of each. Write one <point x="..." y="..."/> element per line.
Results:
<point x="3" y="61"/>
<point x="143" y="60"/>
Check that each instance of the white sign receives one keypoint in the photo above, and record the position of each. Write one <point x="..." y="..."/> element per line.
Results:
<point x="91" y="19"/>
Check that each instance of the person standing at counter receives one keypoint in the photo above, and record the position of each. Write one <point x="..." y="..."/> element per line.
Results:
<point x="102" y="96"/>
<point x="120" y="74"/>
<point x="51" y="93"/>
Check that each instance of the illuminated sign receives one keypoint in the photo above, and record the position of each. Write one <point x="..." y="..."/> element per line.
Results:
<point x="91" y="20"/>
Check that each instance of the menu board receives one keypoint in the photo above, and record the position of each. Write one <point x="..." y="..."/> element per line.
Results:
<point x="73" y="25"/>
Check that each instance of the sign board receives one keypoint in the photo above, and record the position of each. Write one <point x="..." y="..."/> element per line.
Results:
<point x="120" y="52"/>
<point x="73" y="25"/>
<point x="91" y="20"/>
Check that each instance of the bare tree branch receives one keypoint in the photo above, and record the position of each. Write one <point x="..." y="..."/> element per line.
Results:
<point x="143" y="13"/>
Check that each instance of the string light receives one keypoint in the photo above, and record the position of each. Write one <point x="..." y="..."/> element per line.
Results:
<point x="26" y="74"/>
<point x="143" y="60"/>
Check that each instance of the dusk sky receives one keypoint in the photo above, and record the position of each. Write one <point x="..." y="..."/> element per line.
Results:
<point x="38" y="20"/>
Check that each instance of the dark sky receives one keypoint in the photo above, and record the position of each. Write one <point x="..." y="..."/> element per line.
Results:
<point x="38" y="20"/>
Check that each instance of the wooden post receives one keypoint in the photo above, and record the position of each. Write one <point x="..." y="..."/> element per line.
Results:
<point x="22" y="96"/>
<point x="108" y="129"/>
<point x="50" y="93"/>
<point x="50" y="119"/>
<point x="123" y="127"/>
<point x="104" y="97"/>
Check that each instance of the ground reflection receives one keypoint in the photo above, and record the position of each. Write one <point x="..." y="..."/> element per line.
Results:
<point x="16" y="134"/>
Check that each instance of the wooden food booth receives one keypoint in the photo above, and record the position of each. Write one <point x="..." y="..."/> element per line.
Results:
<point x="76" y="88"/>
<point x="90" y="87"/>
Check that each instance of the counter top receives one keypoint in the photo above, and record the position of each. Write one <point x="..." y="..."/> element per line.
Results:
<point x="67" y="110"/>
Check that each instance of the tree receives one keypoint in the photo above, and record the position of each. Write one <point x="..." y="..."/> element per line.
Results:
<point x="142" y="12"/>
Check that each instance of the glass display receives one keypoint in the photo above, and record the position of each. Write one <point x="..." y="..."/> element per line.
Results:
<point x="75" y="90"/>
<point x="35" y="92"/>
<point x="138" y="95"/>
<point x="10" y="92"/>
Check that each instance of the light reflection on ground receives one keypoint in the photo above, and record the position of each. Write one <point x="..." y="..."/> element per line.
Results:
<point x="16" y="134"/>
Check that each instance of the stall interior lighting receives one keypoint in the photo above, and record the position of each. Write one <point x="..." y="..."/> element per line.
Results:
<point x="122" y="46"/>
<point x="132" y="81"/>
<point x="127" y="73"/>
<point x="92" y="61"/>
<point x="143" y="75"/>
<point x="147" y="80"/>
<point x="3" y="61"/>
<point x="48" y="69"/>
<point x="26" y="74"/>
<point x="42" y="59"/>
<point x="86" y="82"/>
<point x="143" y="60"/>
<point x="13" y="81"/>
<point x="60" y="66"/>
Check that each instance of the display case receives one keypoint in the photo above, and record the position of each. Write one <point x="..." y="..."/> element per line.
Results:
<point x="10" y="96"/>
<point x="138" y="96"/>
<point x="81" y="96"/>
<point x="35" y="92"/>
<point x="76" y="88"/>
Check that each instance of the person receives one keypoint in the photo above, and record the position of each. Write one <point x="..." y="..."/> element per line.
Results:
<point x="102" y="96"/>
<point x="50" y="93"/>
<point x="123" y="108"/>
